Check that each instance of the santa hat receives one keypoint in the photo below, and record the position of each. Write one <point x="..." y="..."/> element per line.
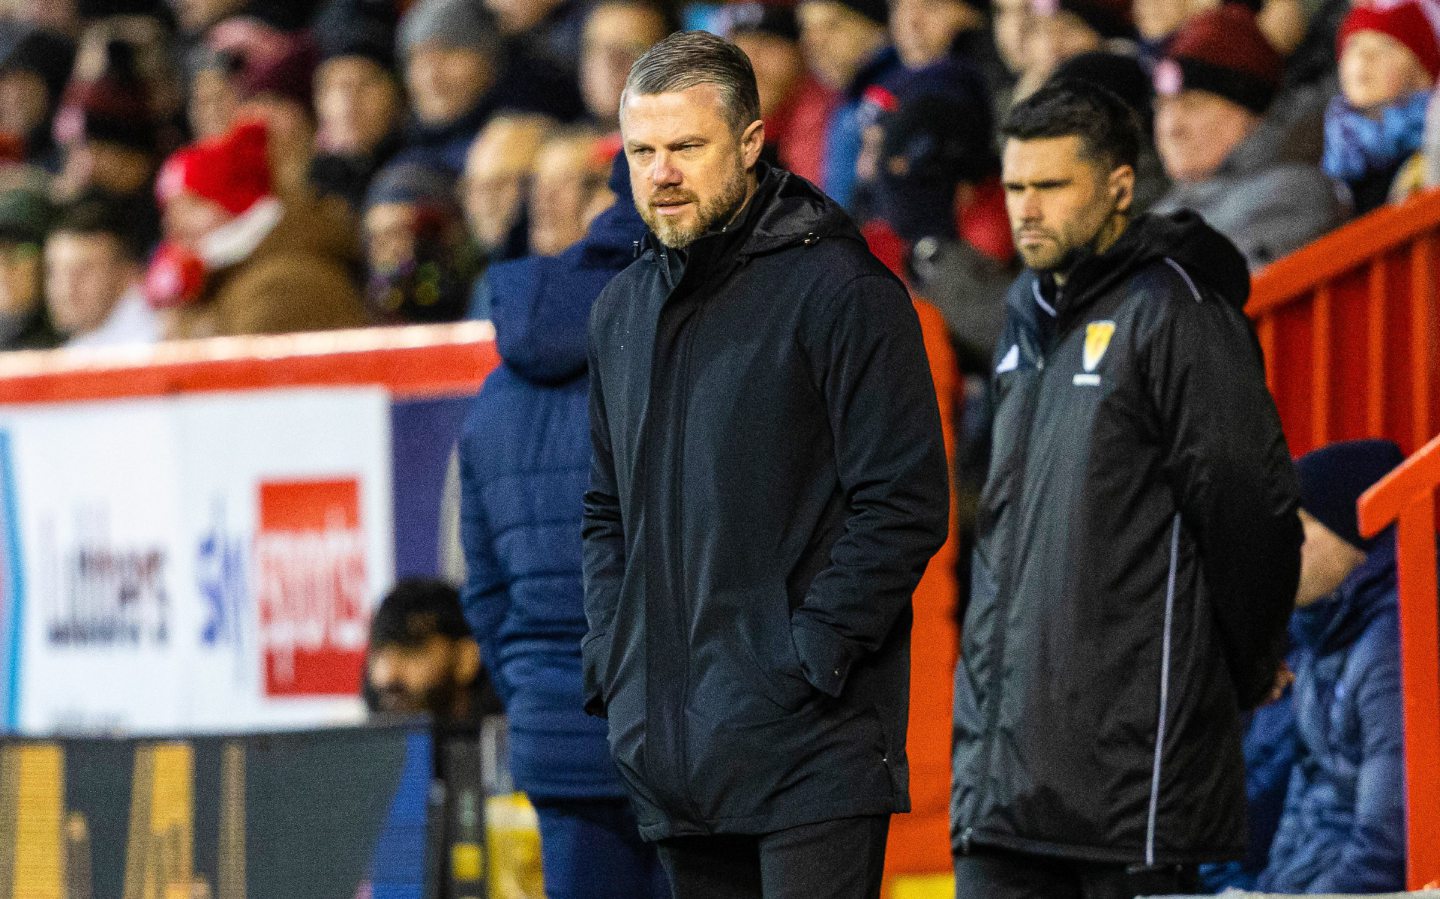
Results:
<point x="1222" y="52"/>
<point x="232" y="170"/>
<point x="1411" y="23"/>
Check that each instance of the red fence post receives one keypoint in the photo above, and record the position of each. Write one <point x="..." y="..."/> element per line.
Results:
<point x="1406" y="498"/>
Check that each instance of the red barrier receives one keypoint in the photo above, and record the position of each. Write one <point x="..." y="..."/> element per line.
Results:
<point x="422" y="360"/>
<point x="1348" y="325"/>
<point x="1406" y="498"/>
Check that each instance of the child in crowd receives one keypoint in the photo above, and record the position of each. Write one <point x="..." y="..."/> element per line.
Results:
<point x="1389" y="62"/>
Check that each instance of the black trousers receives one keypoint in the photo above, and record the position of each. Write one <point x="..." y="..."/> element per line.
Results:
<point x="840" y="859"/>
<point x="988" y="873"/>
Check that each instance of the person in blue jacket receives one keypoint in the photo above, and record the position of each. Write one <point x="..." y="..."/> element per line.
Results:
<point x="1343" y="827"/>
<point x="525" y="466"/>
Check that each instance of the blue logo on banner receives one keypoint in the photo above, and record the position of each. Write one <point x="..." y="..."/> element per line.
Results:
<point x="12" y="591"/>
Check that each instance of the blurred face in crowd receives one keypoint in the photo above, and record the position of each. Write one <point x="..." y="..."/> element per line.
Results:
<point x="1196" y="131"/>
<point x="213" y="104"/>
<point x="1060" y="36"/>
<point x="1284" y="23"/>
<point x="389" y="235"/>
<point x="778" y="65"/>
<point x="189" y="218"/>
<point x="357" y="103"/>
<point x="21" y="271"/>
<point x="1061" y="202"/>
<point x="24" y="102"/>
<point x="497" y="176"/>
<point x="434" y="677"/>
<point x="85" y="276"/>
<point x="837" y="41"/>
<point x="1158" y="19"/>
<point x="616" y="34"/>
<point x="1326" y="559"/>
<point x="111" y="167"/>
<point x="446" y="82"/>
<point x="563" y="193"/>
<point x="55" y="15"/>
<point x="516" y="16"/>
<point x="1014" y="26"/>
<point x="925" y="29"/>
<point x="1376" y="69"/>
<point x="690" y="166"/>
<point x="197" y="15"/>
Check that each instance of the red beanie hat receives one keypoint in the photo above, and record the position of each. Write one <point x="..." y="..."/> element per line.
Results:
<point x="232" y="169"/>
<point x="1222" y="52"/>
<point x="1407" y="22"/>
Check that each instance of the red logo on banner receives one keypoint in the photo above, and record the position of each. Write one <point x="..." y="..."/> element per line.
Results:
<point x="310" y="583"/>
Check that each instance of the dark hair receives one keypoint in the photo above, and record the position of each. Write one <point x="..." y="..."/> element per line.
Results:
<point x="97" y="214"/>
<point x="689" y="59"/>
<point x="415" y="610"/>
<point x="1107" y="126"/>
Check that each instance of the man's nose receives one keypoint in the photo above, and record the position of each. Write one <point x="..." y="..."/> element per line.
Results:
<point x="664" y="174"/>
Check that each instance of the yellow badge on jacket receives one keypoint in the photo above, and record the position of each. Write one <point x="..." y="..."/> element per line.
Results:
<point x="1097" y="341"/>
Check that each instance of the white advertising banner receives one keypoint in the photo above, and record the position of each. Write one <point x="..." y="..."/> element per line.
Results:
<point x="194" y="564"/>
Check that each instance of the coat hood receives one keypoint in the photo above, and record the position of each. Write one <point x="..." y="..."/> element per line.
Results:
<point x="1338" y="619"/>
<point x="1184" y="237"/>
<point x="541" y="304"/>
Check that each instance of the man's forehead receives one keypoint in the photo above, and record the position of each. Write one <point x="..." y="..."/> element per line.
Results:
<point x="1043" y="157"/>
<point x="654" y="116"/>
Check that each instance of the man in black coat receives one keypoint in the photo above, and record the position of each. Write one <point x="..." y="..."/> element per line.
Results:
<point x="1138" y="545"/>
<point x="768" y="485"/>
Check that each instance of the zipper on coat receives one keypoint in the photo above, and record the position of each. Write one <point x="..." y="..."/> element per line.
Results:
<point x="678" y="488"/>
<point x="1165" y="649"/>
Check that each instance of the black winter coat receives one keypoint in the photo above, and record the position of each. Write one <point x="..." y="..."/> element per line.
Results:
<point x="769" y="482"/>
<point x="1136" y="562"/>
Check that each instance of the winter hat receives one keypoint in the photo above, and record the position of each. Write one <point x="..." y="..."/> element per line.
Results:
<point x="411" y="183"/>
<point x="1333" y="477"/>
<point x="113" y="108"/>
<point x="456" y="23"/>
<point x="290" y="75"/>
<point x="416" y="610"/>
<point x="232" y="170"/>
<point x="1122" y="75"/>
<point x="758" y="18"/>
<point x="942" y="124"/>
<point x="357" y="28"/>
<point x="1222" y="52"/>
<point x="1110" y="18"/>
<point x="1408" y="22"/>
<point x="44" y="53"/>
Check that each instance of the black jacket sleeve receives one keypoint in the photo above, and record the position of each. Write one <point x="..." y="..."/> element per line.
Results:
<point x="1233" y="478"/>
<point x="603" y="554"/>
<point x="871" y="368"/>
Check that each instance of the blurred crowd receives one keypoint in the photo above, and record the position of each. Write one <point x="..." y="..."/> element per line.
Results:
<point x="219" y="167"/>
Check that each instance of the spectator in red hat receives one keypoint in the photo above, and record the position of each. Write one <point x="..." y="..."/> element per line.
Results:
<point x="236" y="260"/>
<point x="1389" y="63"/>
<point x="1213" y="89"/>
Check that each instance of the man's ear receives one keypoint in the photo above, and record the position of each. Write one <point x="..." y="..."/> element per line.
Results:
<point x="467" y="661"/>
<point x="1122" y="188"/>
<point x="752" y="141"/>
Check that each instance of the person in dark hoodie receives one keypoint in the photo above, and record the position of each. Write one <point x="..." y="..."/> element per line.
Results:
<point x="769" y="483"/>
<point x="524" y="463"/>
<point x="1138" y="545"/>
<point x="1343" y="827"/>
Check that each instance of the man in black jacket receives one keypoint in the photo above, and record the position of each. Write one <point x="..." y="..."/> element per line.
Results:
<point x="768" y="484"/>
<point x="1138" y="539"/>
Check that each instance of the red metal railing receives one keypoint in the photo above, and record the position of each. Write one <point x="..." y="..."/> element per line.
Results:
<point x="1406" y="498"/>
<point x="1349" y="324"/>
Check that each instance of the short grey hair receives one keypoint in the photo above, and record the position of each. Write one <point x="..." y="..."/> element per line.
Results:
<point x="689" y="59"/>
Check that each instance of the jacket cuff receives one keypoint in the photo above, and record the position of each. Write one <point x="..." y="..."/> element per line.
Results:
<point x="591" y="668"/>
<point x="825" y="658"/>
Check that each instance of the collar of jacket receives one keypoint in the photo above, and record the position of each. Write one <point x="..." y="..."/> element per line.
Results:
<point x="1338" y="619"/>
